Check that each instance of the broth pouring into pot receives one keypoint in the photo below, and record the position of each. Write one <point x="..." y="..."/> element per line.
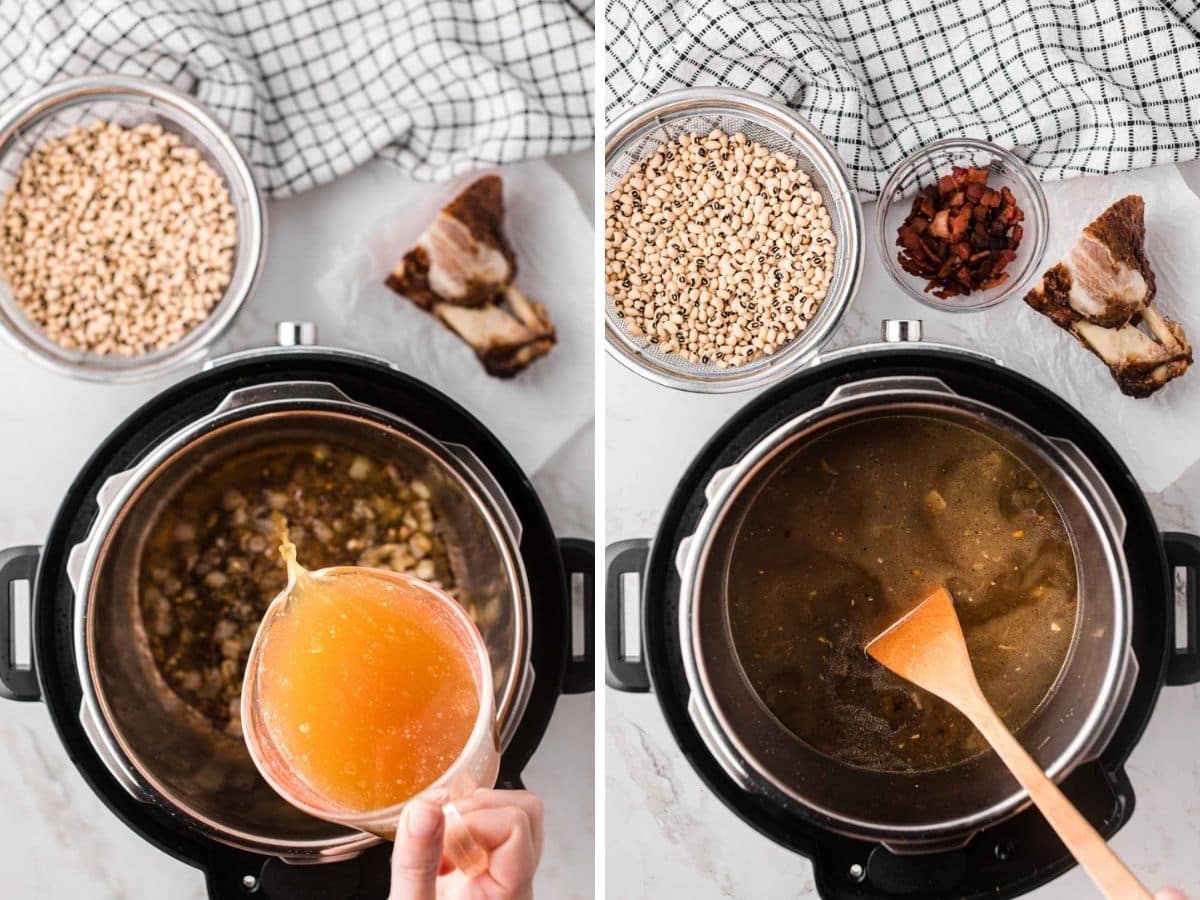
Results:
<point x="848" y="535"/>
<point x="211" y="564"/>
<point x="364" y="685"/>
<point x="365" y="688"/>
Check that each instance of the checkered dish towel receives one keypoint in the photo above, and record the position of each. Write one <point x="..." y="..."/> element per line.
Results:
<point x="1078" y="86"/>
<point x="313" y="88"/>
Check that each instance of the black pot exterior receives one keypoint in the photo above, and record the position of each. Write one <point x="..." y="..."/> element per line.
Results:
<point x="1007" y="859"/>
<point x="231" y="873"/>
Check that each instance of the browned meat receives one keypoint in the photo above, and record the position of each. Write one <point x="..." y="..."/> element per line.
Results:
<point x="1140" y="362"/>
<point x="1105" y="278"/>
<point x="463" y="256"/>
<point x="505" y="342"/>
<point x="461" y="270"/>
<point x="1101" y="293"/>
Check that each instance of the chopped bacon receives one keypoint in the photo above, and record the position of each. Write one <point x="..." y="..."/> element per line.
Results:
<point x="961" y="234"/>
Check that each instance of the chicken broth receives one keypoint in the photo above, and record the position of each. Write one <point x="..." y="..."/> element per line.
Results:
<point x="365" y="687"/>
<point x="854" y="530"/>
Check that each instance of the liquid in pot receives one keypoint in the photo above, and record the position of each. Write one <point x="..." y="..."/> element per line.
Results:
<point x="211" y="563"/>
<point x="852" y="532"/>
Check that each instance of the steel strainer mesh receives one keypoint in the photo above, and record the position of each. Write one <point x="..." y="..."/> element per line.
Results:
<point x="639" y="133"/>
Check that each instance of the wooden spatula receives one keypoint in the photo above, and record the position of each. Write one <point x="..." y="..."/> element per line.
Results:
<point x="927" y="648"/>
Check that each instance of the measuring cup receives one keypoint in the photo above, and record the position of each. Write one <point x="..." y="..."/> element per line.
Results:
<point x="477" y="766"/>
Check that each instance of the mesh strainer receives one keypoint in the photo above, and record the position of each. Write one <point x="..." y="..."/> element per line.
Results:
<point x="636" y="134"/>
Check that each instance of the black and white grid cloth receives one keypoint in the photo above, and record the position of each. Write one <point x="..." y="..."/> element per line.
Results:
<point x="313" y="88"/>
<point x="1078" y="86"/>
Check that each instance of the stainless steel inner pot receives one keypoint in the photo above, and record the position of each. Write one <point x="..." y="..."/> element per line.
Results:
<point x="163" y="752"/>
<point x="907" y="812"/>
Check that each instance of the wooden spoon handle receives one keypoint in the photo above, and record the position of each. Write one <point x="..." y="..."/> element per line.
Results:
<point x="1106" y="869"/>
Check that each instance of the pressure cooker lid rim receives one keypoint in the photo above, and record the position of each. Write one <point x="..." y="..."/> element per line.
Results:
<point x="273" y="352"/>
<point x="728" y="483"/>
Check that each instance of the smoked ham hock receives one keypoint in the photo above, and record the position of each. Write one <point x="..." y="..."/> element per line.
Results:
<point x="1101" y="293"/>
<point x="461" y="269"/>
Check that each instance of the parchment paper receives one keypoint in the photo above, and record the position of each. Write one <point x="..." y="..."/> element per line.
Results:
<point x="535" y="413"/>
<point x="1158" y="436"/>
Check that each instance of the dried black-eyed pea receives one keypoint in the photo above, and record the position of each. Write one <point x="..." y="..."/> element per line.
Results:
<point x="705" y="185"/>
<point x="117" y="241"/>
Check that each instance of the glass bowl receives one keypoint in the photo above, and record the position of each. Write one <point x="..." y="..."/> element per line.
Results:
<point x="637" y="134"/>
<point x="924" y="167"/>
<point x="131" y="101"/>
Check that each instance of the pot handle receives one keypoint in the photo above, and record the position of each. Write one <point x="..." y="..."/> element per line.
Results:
<point x="17" y="564"/>
<point x="579" y="562"/>
<point x="1183" y="660"/>
<point x="623" y="672"/>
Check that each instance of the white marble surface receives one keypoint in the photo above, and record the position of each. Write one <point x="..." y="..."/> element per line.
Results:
<point x="666" y="834"/>
<point x="56" y="839"/>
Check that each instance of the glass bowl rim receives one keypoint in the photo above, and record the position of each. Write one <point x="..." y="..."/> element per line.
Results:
<point x="1018" y="170"/>
<point x="245" y="195"/>
<point x="630" y="123"/>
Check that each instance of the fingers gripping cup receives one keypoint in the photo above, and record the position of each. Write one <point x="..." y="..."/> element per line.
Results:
<point x="364" y="689"/>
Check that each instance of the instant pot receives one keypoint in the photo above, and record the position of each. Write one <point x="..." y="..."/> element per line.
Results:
<point x="193" y="792"/>
<point x="967" y="831"/>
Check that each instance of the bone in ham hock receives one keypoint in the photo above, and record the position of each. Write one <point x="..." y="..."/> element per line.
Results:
<point x="1101" y="293"/>
<point x="461" y="270"/>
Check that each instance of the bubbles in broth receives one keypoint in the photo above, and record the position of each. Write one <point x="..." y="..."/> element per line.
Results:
<point x="852" y="532"/>
<point x="365" y="687"/>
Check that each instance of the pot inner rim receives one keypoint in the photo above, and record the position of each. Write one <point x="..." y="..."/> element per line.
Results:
<point x="765" y="757"/>
<point x="163" y="746"/>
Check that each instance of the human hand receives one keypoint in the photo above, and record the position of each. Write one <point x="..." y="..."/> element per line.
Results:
<point x="1169" y="893"/>
<point x="508" y="824"/>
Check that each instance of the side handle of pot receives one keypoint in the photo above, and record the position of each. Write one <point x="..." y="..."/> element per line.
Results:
<point x="1183" y="660"/>
<point x="624" y="672"/>
<point x="17" y="564"/>
<point x="579" y="562"/>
